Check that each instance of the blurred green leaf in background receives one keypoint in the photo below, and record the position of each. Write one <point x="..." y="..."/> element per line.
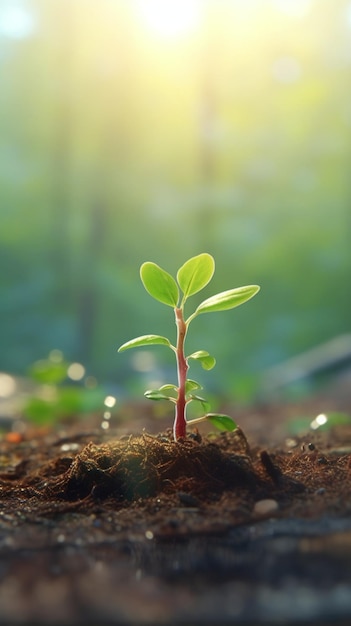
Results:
<point x="62" y="391"/>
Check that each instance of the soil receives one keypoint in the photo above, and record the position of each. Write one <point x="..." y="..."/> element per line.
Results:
<point x="107" y="527"/>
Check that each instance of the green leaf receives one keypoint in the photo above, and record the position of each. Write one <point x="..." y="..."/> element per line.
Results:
<point x="67" y="401"/>
<point x="48" y="372"/>
<point x="169" y="387"/>
<point x="195" y="274"/>
<point x="159" y="284"/>
<point x="207" y="361"/>
<point x="156" y="394"/>
<point x="40" y="411"/>
<point x="227" y="299"/>
<point x="223" y="422"/>
<point x="191" y="385"/>
<point x="145" y="340"/>
<point x="205" y="404"/>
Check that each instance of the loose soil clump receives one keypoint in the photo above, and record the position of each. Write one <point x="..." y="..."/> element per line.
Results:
<point x="169" y="522"/>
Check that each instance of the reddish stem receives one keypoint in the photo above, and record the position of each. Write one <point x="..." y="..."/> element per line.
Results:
<point x="179" y="429"/>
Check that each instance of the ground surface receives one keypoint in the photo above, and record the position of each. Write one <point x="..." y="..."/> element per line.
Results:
<point x="101" y="527"/>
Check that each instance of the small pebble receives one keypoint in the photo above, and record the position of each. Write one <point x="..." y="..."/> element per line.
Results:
<point x="69" y="447"/>
<point x="308" y="447"/>
<point x="149" y="534"/>
<point x="187" y="499"/>
<point x="195" y="436"/>
<point x="263" y="507"/>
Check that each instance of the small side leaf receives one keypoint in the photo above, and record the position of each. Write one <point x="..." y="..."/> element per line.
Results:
<point x="159" y="284"/>
<point x="223" y="422"/>
<point x="207" y="361"/>
<point x="169" y="387"/>
<point x="203" y="402"/>
<point x="227" y="299"/>
<point x="156" y="394"/>
<point x="195" y="274"/>
<point x="191" y="385"/>
<point x="145" y="340"/>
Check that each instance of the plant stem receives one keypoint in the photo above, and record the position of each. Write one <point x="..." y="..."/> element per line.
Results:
<point x="179" y="429"/>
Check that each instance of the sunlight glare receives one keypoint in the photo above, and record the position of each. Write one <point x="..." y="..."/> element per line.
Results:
<point x="286" y="70"/>
<point x="348" y="14"/>
<point x="170" y="19"/>
<point x="16" y="22"/>
<point x="294" y="8"/>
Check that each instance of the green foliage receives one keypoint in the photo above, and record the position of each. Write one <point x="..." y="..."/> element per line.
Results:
<point x="191" y="385"/>
<point x="223" y="422"/>
<point x="64" y="402"/>
<point x="226" y="300"/>
<point x="207" y="361"/>
<point x="54" y="398"/>
<point x="145" y="340"/>
<point x="48" y="371"/>
<point x="156" y="394"/>
<point x="195" y="274"/>
<point x="192" y="276"/>
<point x="159" y="284"/>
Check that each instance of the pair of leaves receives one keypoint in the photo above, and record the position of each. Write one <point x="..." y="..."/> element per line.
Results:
<point x="165" y="392"/>
<point x="220" y="421"/>
<point x="193" y="276"/>
<point x="206" y="360"/>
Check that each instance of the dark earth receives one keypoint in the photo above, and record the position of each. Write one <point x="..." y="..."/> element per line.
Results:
<point x="125" y="526"/>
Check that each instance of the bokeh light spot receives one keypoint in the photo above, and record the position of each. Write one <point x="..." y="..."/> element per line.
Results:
<point x="286" y="70"/>
<point x="76" y="371"/>
<point x="16" y="22"/>
<point x="56" y="356"/>
<point x="320" y="420"/>
<point x="110" y="401"/>
<point x="169" y="18"/>
<point x="7" y="385"/>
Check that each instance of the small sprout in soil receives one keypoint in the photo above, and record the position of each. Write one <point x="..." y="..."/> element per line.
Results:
<point x="193" y="276"/>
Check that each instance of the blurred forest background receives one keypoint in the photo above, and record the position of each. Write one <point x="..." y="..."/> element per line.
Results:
<point x="136" y="130"/>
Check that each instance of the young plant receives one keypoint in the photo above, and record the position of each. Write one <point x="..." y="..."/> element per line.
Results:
<point x="193" y="276"/>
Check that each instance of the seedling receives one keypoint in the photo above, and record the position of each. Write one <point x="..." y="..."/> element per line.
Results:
<point x="193" y="276"/>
